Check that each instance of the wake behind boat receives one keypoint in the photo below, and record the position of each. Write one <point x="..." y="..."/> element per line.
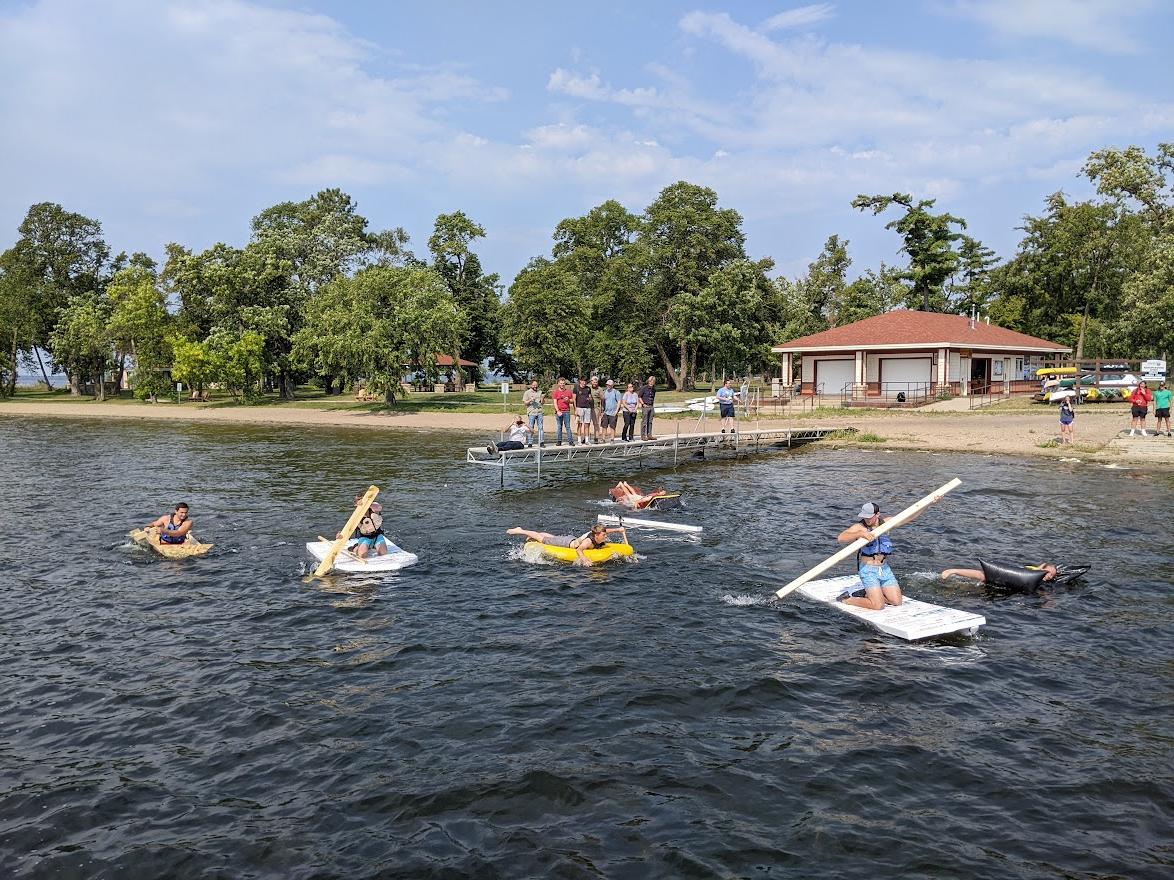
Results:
<point x="395" y="559"/>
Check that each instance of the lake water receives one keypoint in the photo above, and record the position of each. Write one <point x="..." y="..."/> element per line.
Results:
<point x="483" y="716"/>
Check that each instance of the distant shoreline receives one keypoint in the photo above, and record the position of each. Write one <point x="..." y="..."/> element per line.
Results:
<point x="1014" y="432"/>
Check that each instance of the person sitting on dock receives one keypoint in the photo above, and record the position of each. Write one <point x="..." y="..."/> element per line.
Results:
<point x="172" y="528"/>
<point x="592" y="540"/>
<point x="368" y="534"/>
<point x="517" y="437"/>
<point x="880" y="585"/>
<point x="627" y="494"/>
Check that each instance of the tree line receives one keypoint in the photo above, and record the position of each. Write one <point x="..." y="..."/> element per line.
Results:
<point x="316" y="295"/>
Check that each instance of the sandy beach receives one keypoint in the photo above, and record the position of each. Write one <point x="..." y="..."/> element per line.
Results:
<point x="1015" y="432"/>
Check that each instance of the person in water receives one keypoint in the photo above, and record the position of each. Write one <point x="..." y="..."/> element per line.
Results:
<point x="172" y="528"/>
<point x="975" y="574"/>
<point x="368" y="534"/>
<point x="627" y="494"/>
<point x="880" y="584"/>
<point x="592" y="540"/>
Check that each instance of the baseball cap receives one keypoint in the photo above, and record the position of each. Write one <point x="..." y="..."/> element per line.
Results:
<point x="868" y="509"/>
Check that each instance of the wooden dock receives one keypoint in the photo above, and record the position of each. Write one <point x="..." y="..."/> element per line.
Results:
<point x="692" y="446"/>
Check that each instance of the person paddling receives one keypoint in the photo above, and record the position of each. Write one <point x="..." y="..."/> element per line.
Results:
<point x="172" y="528"/>
<point x="880" y="584"/>
<point x="368" y="535"/>
<point x="592" y="540"/>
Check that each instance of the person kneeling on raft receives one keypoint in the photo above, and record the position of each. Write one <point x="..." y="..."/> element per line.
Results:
<point x="880" y="584"/>
<point x="592" y="540"/>
<point x="368" y="535"/>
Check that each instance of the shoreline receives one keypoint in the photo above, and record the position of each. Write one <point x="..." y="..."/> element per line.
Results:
<point x="1014" y="432"/>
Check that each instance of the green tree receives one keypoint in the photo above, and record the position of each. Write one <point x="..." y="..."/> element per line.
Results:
<point x="140" y="327"/>
<point x="81" y="342"/>
<point x="472" y="291"/>
<point x="370" y="325"/>
<point x="547" y="320"/>
<point x="971" y="286"/>
<point x="928" y="242"/>
<point x="685" y="238"/>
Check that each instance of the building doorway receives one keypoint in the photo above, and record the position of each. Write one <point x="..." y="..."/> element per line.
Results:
<point x="980" y="375"/>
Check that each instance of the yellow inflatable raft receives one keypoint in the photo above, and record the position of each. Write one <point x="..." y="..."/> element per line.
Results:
<point x="568" y="554"/>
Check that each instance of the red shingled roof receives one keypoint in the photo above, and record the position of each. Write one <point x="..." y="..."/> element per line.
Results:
<point x="904" y="327"/>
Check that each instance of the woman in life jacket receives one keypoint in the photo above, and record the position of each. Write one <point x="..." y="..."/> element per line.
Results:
<point x="880" y="584"/>
<point x="172" y="528"/>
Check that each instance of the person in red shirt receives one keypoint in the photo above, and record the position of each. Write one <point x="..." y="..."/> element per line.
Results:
<point x="1139" y="407"/>
<point x="563" y="399"/>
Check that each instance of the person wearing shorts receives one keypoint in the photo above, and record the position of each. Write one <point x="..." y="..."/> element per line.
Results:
<point x="594" y="539"/>
<point x="584" y="409"/>
<point x="725" y="402"/>
<point x="1067" y="417"/>
<point x="1139" y="407"/>
<point x="1162" y="407"/>
<point x="880" y="584"/>
<point x="611" y="412"/>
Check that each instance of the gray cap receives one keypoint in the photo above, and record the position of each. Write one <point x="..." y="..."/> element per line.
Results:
<point x="868" y="509"/>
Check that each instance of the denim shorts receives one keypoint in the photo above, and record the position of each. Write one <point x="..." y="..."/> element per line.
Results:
<point x="369" y="542"/>
<point x="873" y="577"/>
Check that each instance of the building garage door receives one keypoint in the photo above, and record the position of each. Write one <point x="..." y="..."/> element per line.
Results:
<point x="904" y="374"/>
<point x="833" y="375"/>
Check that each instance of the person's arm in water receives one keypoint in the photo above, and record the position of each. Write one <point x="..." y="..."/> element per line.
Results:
<point x="972" y="573"/>
<point x="579" y="542"/>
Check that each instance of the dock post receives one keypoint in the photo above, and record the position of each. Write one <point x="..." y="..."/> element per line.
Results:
<point x="677" y="441"/>
<point x="539" y="460"/>
<point x="503" y="473"/>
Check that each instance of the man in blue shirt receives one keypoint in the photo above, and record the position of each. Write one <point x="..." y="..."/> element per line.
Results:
<point x="611" y="411"/>
<point x="725" y="401"/>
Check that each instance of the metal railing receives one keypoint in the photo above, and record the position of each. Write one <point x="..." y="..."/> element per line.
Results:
<point x="889" y="394"/>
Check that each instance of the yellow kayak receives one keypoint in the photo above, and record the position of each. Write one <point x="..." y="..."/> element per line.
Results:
<point x="568" y="554"/>
<point x="190" y="547"/>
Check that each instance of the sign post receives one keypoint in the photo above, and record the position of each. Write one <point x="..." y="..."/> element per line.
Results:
<point x="505" y="395"/>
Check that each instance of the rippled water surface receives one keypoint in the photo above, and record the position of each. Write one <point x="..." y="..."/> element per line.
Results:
<point x="483" y="716"/>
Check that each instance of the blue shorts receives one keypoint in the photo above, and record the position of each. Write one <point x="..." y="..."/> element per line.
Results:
<point x="727" y="410"/>
<point x="873" y="577"/>
<point x="369" y="543"/>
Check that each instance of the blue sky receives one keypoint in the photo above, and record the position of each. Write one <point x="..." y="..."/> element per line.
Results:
<point x="178" y="121"/>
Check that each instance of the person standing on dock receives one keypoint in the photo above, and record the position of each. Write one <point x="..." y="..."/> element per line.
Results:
<point x="629" y="404"/>
<point x="533" y="399"/>
<point x="596" y="408"/>
<point x="647" y="397"/>
<point x="563" y="398"/>
<point x="611" y="411"/>
<point x="725" y="403"/>
<point x="584" y="409"/>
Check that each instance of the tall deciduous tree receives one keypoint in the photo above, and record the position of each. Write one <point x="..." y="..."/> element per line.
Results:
<point x="140" y="327"/>
<point x="547" y="320"/>
<point x="927" y="240"/>
<point x="472" y="291"/>
<point x="686" y="238"/>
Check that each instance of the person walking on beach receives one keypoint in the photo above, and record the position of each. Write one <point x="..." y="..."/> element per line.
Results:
<point x="611" y="411"/>
<point x="172" y="528"/>
<point x="596" y="408"/>
<point x="533" y="399"/>
<point x="584" y="407"/>
<point x="647" y="397"/>
<point x="1139" y="407"/>
<point x="563" y="399"/>
<point x="880" y="584"/>
<point x="1067" y="417"/>
<point x="725" y="402"/>
<point x="1162" y="408"/>
<point x="629" y="403"/>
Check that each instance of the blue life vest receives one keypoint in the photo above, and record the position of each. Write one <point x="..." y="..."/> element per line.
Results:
<point x="879" y="545"/>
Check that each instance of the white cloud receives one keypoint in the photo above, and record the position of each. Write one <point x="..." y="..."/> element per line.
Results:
<point x="1090" y="24"/>
<point x="800" y="17"/>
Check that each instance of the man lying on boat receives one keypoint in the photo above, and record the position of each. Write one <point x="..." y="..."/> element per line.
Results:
<point x="368" y="535"/>
<point x="627" y="494"/>
<point x="1018" y="577"/>
<point x="172" y="528"/>
<point x="595" y="539"/>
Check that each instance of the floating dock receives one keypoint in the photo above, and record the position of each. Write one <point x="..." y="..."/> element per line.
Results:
<point x="677" y="446"/>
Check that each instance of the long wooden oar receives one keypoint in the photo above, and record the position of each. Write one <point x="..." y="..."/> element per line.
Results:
<point x="359" y="512"/>
<point x="891" y="523"/>
<point x="347" y="553"/>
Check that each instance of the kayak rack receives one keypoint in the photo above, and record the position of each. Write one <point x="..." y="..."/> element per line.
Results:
<point x="695" y="445"/>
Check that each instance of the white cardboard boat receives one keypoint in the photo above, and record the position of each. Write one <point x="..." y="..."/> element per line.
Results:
<point x="608" y="519"/>
<point x="911" y="620"/>
<point x="395" y="559"/>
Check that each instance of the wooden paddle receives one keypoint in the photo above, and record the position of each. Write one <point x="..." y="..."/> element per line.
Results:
<point x="359" y="512"/>
<point x="346" y="553"/>
<point x="891" y="523"/>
